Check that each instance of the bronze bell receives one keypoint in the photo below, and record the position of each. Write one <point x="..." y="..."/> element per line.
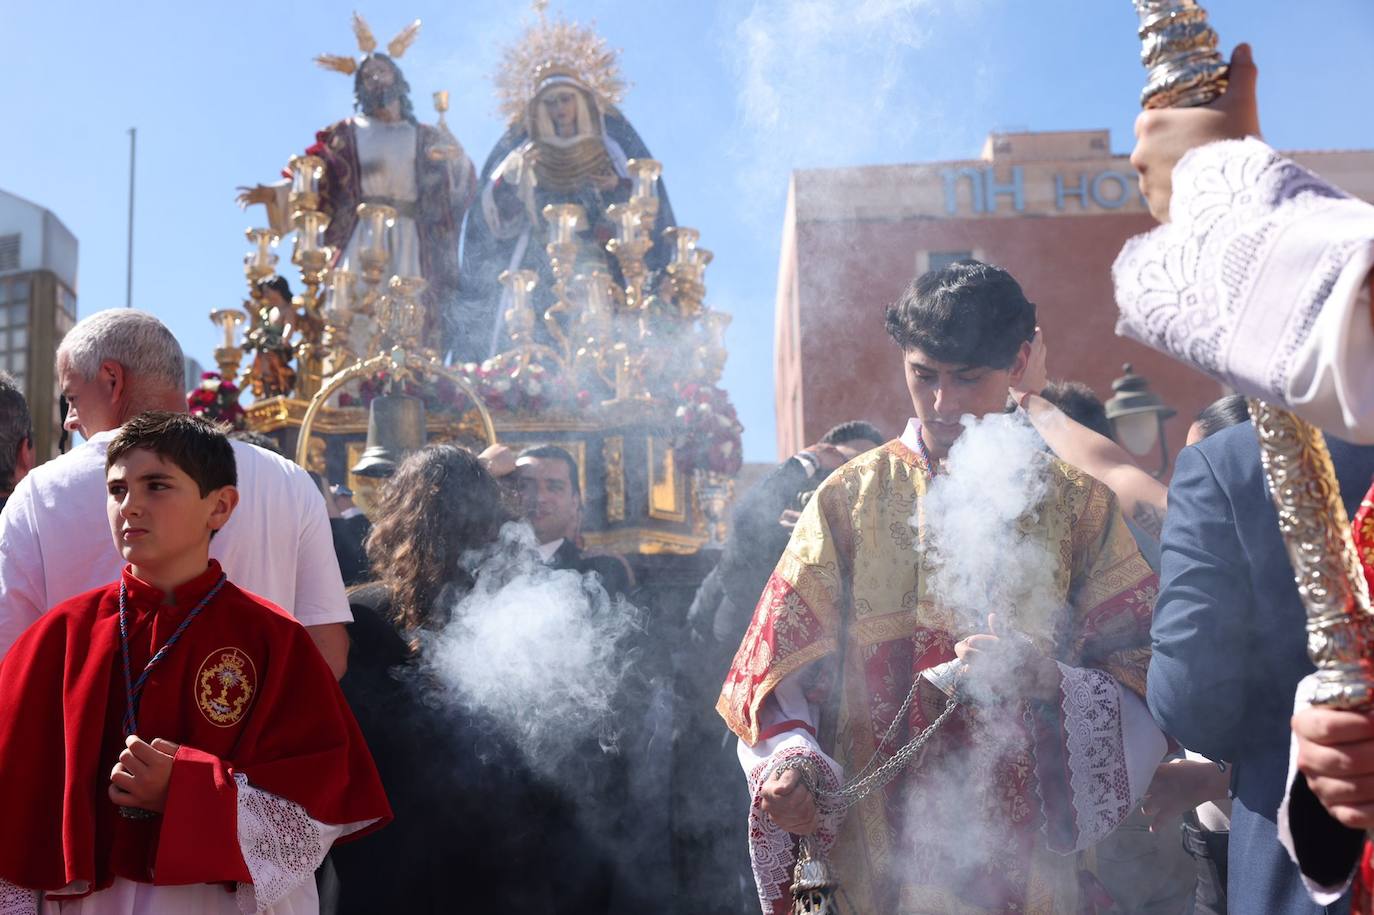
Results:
<point x="395" y="427"/>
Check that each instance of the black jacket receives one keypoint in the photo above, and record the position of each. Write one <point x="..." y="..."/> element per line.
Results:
<point x="614" y="578"/>
<point x="475" y="830"/>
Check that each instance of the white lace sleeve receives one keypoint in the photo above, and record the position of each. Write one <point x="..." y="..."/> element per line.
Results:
<point x="281" y="844"/>
<point x="1113" y="746"/>
<point x="15" y="900"/>
<point x="1258" y="280"/>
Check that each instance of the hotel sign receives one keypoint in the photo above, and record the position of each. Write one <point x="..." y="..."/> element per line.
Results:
<point x="980" y="191"/>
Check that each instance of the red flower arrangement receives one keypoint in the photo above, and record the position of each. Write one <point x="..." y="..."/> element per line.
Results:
<point x="216" y="399"/>
<point x="499" y="386"/>
<point x="708" y="434"/>
<point x="514" y="390"/>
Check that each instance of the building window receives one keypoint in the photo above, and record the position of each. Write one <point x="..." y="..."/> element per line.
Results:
<point x="940" y="260"/>
<point x="9" y="252"/>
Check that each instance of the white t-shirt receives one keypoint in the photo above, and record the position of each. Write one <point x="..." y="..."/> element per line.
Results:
<point x="55" y="539"/>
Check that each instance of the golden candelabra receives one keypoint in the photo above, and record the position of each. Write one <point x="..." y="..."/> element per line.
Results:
<point x="630" y="245"/>
<point x="565" y="221"/>
<point x="687" y="269"/>
<point x="229" y="355"/>
<point x="1185" y="70"/>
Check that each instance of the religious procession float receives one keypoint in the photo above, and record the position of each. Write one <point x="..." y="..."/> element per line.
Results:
<point x="575" y="314"/>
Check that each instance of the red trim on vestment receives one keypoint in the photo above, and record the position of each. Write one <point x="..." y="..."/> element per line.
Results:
<point x="782" y="727"/>
<point x="199" y="842"/>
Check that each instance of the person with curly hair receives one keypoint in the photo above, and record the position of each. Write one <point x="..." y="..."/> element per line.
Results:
<point x="467" y="807"/>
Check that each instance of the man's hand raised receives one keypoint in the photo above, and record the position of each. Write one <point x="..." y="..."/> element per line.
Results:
<point x="788" y="802"/>
<point x="1163" y="135"/>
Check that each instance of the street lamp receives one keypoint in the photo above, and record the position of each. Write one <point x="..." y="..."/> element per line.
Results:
<point x="1137" y="417"/>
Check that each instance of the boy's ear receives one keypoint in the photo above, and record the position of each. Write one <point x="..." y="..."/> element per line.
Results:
<point x="223" y="502"/>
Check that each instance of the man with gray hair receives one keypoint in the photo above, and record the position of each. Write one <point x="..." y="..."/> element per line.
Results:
<point x="16" y="437"/>
<point x="55" y="543"/>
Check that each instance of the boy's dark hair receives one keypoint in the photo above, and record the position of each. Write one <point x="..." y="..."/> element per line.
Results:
<point x="1080" y="404"/>
<point x="968" y="313"/>
<point x="553" y="451"/>
<point x="197" y="446"/>
<point x="1222" y="413"/>
<point x="852" y="431"/>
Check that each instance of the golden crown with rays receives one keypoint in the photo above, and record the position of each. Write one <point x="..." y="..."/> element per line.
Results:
<point x="367" y="43"/>
<point x="557" y="47"/>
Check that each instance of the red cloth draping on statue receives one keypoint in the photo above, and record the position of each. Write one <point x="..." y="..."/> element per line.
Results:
<point x="850" y="593"/>
<point x="244" y="691"/>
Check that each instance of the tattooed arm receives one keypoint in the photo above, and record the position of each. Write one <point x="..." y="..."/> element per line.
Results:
<point x="1143" y="498"/>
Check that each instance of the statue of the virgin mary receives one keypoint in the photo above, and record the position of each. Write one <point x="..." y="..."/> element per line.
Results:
<point x="567" y="143"/>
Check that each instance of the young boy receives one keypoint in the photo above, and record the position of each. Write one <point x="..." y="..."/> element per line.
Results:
<point x="168" y="738"/>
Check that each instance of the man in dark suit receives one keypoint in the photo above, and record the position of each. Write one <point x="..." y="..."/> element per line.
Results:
<point x="546" y="478"/>
<point x="1230" y="646"/>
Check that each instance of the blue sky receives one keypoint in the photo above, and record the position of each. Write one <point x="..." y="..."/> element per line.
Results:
<point x="730" y="95"/>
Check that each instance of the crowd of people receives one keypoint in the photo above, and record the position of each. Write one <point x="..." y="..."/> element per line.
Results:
<point x="987" y="665"/>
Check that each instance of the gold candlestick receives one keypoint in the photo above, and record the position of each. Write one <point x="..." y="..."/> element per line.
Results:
<point x="306" y="173"/>
<point x="629" y="247"/>
<point x="403" y="321"/>
<point x="374" y="242"/>
<point x="259" y="264"/>
<point x="338" y="315"/>
<point x="565" y="221"/>
<point x="687" y="270"/>
<point x="229" y="355"/>
<point x="644" y="175"/>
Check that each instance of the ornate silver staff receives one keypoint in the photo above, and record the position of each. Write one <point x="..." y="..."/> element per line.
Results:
<point x="1179" y="48"/>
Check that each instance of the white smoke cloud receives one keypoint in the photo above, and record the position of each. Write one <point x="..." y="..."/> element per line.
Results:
<point x="540" y="650"/>
<point x="976" y="519"/>
<point x="830" y="83"/>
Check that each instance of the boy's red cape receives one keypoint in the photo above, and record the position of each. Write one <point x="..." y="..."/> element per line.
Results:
<point x="243" y="691"/>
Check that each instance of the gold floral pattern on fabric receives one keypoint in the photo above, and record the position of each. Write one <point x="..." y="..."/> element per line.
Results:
<point x="851" y="587"/>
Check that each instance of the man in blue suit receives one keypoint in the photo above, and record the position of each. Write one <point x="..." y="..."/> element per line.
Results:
<point x="1230" y="646"/>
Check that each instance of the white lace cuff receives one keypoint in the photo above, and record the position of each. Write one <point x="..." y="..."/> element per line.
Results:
<point x="281" y="844"/>
<point x="15" y="900"/>
<point x="772" y="850"/>
<point x="1256" y="281"/>
<point x="1112" y="747"/>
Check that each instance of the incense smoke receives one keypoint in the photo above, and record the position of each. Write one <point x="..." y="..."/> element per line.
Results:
<point x="976" y="518"/>
<point x="541" y="650"/>
<point x="981" y="554"/>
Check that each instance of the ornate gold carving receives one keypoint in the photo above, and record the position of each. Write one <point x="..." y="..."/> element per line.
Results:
<point x="316" y="460"/>
<point x="644" y="540"/>
<point x="1316" y="534"/>
<point x="667" y="489"/>
<point x="613" y="454"/>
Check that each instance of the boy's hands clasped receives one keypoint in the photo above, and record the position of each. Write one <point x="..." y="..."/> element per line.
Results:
<point x="143" y="773"/>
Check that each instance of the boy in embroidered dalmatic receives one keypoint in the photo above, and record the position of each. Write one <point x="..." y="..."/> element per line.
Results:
<point x="989" y="816"/>
<point x="169" y="742"/>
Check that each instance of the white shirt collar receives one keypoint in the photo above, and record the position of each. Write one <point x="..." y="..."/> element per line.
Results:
<point x="911" y="435"/>
<point x="546" y="550"/>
